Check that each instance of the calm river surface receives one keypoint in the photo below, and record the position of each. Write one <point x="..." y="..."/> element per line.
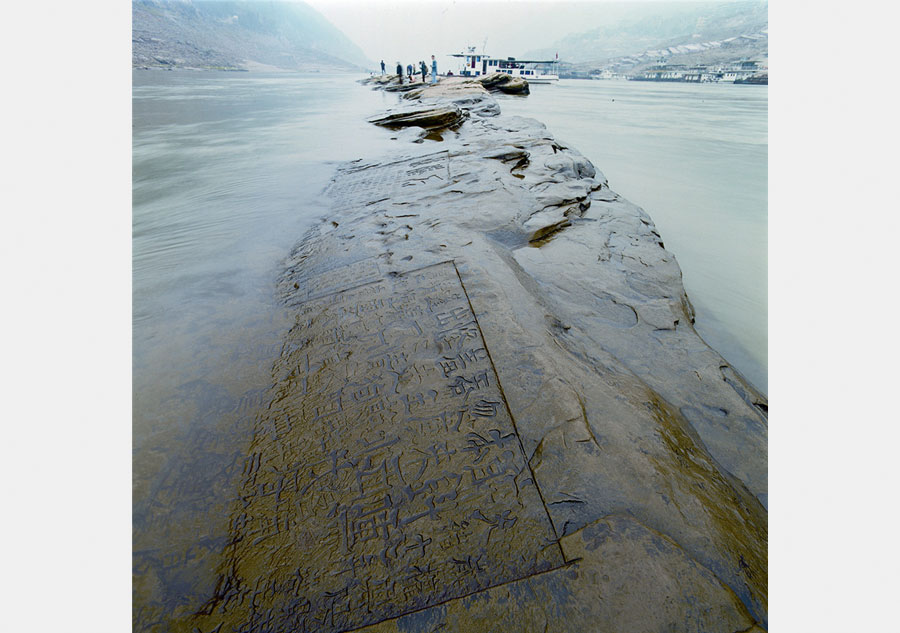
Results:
<point x="228" y="170"/>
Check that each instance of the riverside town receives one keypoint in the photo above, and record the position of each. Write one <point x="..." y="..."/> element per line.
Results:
<point x="743" y="72"/>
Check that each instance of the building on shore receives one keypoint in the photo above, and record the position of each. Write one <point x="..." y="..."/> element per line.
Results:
<point x="742" y="72"/>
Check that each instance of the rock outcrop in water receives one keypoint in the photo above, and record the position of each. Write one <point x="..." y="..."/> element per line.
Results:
<point x="428" y="117"/>
<point x="493" y="412"/>
<point x="501" y="82"/>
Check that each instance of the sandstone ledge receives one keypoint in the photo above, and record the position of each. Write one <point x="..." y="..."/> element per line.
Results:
<point x="425" y="117"/>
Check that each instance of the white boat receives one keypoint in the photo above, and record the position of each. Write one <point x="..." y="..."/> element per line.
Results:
<point x="538" y="71"/>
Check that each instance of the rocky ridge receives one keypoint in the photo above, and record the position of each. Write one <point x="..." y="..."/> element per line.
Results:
<point x="585" y="272"/>
<point x="636" y="275"/>
<point x="636" y="450"/>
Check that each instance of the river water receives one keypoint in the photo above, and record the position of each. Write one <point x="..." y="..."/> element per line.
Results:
<point x="228" y="170"/>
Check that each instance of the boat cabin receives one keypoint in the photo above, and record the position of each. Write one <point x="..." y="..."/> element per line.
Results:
<point x="476" y="65"/>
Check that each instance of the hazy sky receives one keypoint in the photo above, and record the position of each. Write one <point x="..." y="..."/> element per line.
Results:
<point x="409" y="31"/>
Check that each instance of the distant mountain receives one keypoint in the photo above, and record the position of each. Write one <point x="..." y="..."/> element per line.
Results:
<point x="692" y="32"/>
<point x="239" y="36"/>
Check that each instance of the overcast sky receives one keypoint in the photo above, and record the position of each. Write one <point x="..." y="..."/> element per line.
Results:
<point x="409" y="31"/>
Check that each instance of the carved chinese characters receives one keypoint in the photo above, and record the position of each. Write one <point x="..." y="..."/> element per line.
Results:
<point x="387" y="475"/>
<point x="369" y="184"/>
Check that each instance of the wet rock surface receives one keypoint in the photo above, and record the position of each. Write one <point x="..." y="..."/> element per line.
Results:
<point x="427" y="117"/>
<point x="493" y="412"/>
<point x="501" y="82"/>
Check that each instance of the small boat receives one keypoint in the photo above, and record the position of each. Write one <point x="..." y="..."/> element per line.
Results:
<point x="538" y="71"/>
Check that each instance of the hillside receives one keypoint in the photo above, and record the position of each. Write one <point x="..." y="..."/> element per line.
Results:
<point x="239" y="36"/>
<point x="685" y="33"/>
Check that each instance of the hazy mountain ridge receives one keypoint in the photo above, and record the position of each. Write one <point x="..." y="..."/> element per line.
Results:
<point x="239" y="36"/>
<point x="703" y="32"/>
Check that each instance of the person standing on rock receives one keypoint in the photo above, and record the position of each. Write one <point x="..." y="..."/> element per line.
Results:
<point x="399" y="72"/>
<point x="382" y="66"/>
<point x="433" y="70"/>
<point x="424" y="70"/>
<point x="409" y="72"/>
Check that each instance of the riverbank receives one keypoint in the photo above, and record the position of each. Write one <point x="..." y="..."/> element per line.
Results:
<point x="493" y="410"/>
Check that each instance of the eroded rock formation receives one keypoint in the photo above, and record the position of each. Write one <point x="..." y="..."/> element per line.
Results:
<point x="428" y="117"/>
<point x="501" y="82"/>
<point x="493" y="412"/>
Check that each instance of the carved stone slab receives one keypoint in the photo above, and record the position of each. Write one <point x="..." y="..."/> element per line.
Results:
<point x="367" y="184"/>
<point x="327" y="282"/>
<point x="388" y="475"/>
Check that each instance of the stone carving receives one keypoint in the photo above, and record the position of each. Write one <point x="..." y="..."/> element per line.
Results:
<point x="361" y="184"/>
<point x="387" y="475"/>
<point x="310" y="286"/>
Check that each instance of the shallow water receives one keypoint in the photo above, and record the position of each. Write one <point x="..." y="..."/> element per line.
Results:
<point x="228" y="170"/>
<point x="695" y="157"/>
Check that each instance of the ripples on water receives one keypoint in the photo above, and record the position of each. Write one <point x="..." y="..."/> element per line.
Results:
<point x="695" y="157"/>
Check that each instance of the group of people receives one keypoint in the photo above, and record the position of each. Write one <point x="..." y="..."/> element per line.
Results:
<point x="411" y="71"/>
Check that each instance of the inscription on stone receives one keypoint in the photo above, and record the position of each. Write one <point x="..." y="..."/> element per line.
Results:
<point x="330" y="281"/>
<point x="387" y="475"/>
<point x="355" y="186"/>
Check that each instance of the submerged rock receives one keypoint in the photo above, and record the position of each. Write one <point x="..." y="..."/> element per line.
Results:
<point x="493" y="412"/>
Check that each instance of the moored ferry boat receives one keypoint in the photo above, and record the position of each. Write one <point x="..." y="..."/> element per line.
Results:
<point x="532" y="70"/>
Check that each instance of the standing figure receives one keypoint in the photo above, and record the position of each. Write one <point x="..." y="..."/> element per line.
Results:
<point x="382" y="66"/>
<point x="399" y="72"/>
<point x="409" y="72"/>
<point x="423" y="69"/>
<point x="433" y="70"/>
